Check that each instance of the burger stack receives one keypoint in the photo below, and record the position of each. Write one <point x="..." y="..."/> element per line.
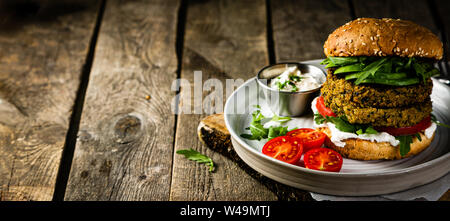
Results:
<point x="379" y="80"/>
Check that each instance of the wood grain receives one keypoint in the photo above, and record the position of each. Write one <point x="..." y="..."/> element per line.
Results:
<point x="301" y="27"/>
<point x="442" y="9"/>
<point x="124" y="147"/>
<point x="43" y="46"/>
<point x="417" y="11"/>
<point x="224" y="40"/>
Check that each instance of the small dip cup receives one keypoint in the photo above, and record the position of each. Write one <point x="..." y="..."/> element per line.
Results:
<point x="285" y="103"/>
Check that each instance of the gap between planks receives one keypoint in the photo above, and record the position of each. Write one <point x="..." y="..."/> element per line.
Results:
<point x="71" y="136"/>
<point x="179" y="44"/>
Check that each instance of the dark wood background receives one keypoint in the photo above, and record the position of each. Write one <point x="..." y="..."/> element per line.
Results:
<point x="86" y="89"/>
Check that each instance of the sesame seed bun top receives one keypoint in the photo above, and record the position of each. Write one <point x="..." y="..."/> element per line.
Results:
<point x="383" y="37"/>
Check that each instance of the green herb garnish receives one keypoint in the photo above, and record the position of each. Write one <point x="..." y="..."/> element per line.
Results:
<point x="394" y="71"/>
<point x="258" y="131"/>
<point x="341" y="123"/>
<point x="434" y="119"/>
<point x="194" y="155"/>
<point x="319" y="119"/>
<point x="405" y="144"/>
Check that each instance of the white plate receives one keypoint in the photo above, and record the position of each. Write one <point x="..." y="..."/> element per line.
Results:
<point x="357" y="178"/>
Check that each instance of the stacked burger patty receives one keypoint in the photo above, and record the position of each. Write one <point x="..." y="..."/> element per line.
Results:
<point x="377" y="105"/>
<point x="376" y="98"/>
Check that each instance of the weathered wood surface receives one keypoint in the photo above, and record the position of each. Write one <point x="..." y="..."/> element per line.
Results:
<point x="43" y="47"/>
<point x="301" y="27"/>
<point x="128" y="132"/>
<point x="125" y="141"/>
<point x="442" y="9"/>
<point x="417" y="11"/>
<point x="224" y="40"/>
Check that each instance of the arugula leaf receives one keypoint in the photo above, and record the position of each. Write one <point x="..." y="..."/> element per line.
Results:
<point x="434" y="119"/>
<point x="370" y="70"/>
<point x="276" y="132"/>
<point x="258" y="131"/>
<point x="405" y="144"/>
<point x="359" y="132"/>
<point x="371" y="130"/>
<point x="418" y="136"/>
<point x="393" y="71"/>
<point x="194" y="155"/>
<point x="341" y="61"/>
<point x="280" y="119"/>
<point x="341" y="124"/>
<point x="349" y="68"/>
<point x="319" y="119"/>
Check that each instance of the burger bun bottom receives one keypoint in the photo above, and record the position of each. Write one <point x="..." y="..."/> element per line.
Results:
<point x="359" y="149"/>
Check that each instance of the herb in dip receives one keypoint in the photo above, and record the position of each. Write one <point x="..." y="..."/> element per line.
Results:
<point x="293" y="80"/>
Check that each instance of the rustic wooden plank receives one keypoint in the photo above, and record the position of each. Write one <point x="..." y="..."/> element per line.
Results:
<point x="43" y="46"/>
<point x="416" y="11"/>
<point x="223" y="40"/>
<point x="301" y="27"/>
<point x="124" y="147"/>
<point x="299" y="30"/>
<point x="442" y="9"/>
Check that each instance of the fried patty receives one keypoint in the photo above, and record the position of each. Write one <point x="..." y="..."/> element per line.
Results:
<point x="371" y="95"/>
<point x="378" y="105"/>
<point x="392" y="117"/>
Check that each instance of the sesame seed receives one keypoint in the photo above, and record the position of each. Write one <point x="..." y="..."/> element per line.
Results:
<point x="363" y="43"/>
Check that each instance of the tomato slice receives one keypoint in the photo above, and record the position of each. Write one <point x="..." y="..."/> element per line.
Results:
<point x="323" y="159"/>
<point x="310" y="138"/>
<point x="284" y="148"/>
<point x="422" y="125"/>
<point x="324" y="110"/>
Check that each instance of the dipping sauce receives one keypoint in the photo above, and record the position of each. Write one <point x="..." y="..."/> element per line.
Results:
<point x="293" y="80"/>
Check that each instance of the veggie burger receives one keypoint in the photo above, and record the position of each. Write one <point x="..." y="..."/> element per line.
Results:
<point x="375" y="103"/>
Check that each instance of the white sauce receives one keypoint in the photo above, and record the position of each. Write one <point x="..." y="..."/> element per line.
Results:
<point x="293" y="76"/>
<point x="338" y="137"/>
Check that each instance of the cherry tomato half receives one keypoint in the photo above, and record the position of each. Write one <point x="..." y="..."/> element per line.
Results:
<point x="323" y="110"/>
<point x="284" y="148"/>
<point x="422" y="125"/>
<point x="323" y="159"/>
<point x="310" y="138"/>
